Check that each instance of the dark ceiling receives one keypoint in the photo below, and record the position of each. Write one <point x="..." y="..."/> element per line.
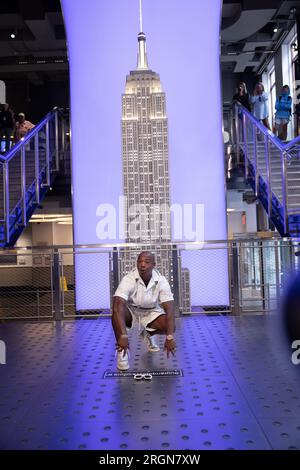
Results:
<point x="38" y="50"/>
<point x="39" y="47"/>
<point x="248" y="39"/>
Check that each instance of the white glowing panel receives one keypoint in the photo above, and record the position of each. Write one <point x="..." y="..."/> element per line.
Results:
<point x="183" y="48"/>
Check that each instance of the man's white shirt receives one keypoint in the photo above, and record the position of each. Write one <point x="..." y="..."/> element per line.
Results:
<point x="132" y="289"/>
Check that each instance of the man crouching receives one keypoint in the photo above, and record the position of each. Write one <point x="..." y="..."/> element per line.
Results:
<point x="143" y="297"/>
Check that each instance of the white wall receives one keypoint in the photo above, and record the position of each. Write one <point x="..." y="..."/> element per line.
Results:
<point x="2" y="92"/>
<point x="235" y="226"/>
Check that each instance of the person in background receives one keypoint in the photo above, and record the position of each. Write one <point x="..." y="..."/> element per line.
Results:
<point x="22" y="127"/>
<point x="241" y="95"/>
<point x="259" y="100"/>
<point x="7" y="127"/>
<point x="283" y="113"/>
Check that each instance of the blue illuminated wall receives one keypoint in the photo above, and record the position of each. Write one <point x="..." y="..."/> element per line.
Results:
<point x="183" y="48"/>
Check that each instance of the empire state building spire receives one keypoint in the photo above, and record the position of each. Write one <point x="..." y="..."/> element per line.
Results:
<point x="142" y="54"/>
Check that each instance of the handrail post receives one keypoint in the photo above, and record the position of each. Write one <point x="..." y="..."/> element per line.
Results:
<point x="255" y="158"/>
<point x="56" y="141"/>
<point x="235" y="278"/>
<point x="245" y="144"/>
<point x="6" y="200"/>
<point x="37" y="168"/>
<point x="63" y="138"/>
<point x="48" y="155"/>
<point x="56" y="280"/>
<point x="176" y="279"/>
<point x="284" y="192"/>
<point x="237" y="131"/>
<point x="268" y="168"/>
<point x="23" y="185"/>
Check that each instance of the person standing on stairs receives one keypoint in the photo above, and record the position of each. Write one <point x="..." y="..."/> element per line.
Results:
<point x="259" y="101"/>
<point x="283" y="113"/>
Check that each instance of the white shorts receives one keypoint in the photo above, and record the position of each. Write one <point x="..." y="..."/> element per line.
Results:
<point x="142" y="318"/>
<point x="280" y="121"/>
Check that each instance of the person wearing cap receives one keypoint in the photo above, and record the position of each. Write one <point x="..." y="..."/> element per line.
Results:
<point x="22" y="126"/>
<point x="143" y="298"/>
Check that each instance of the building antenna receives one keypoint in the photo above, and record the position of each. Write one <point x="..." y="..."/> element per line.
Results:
<point x="141" y="17"/>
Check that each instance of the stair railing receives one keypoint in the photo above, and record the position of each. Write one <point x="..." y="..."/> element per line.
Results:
<point x="249" y="134"/>
<point x="27" y="171"/>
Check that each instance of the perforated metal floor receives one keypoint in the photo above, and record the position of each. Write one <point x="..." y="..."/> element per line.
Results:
<point x="239" y="389"/>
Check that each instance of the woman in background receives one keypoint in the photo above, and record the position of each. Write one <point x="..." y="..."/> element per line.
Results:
<point x="283" y="113"/>
<point x="259" y="100"/>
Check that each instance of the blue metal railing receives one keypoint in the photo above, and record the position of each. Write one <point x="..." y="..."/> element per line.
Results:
<point x="269" y="167"/>
<point x="26" y="173"/>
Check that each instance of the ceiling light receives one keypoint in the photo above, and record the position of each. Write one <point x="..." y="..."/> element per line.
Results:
<point x="13" y="36"/>
<point x="275" y="29"/>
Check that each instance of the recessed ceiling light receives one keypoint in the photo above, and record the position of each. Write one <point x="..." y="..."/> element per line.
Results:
<point x="13" y="36"/>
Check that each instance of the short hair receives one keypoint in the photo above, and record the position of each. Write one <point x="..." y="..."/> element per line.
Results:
<point x="147" y="253"/>
<point x="261" y="84"/>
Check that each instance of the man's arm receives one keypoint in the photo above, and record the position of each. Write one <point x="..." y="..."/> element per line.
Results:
<point x="169" y="308"/>
<point x="119" y="322"/>
<point x="119" y="314"/>
<point x="170" y="344"/>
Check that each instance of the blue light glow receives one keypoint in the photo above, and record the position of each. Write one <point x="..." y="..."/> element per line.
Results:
<point x="183" y="48"/>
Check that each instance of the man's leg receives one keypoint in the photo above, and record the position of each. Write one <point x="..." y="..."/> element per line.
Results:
<point x="120" y="315"/>
<point x="121" y="319"/>
<point x="266" y="123"/>
<point x="159" y="325"/>
<point x="284" y="131"/>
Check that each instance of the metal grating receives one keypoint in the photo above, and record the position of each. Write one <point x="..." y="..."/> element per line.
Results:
<point x="239" y="389"/>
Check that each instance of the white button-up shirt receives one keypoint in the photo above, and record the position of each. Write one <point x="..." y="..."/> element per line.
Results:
<point x="132" y="289"/>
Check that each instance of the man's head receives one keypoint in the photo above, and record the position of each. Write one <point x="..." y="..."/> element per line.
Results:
<point x="21" y="117"/>
<point x="285" y="90"/>
<point x="145" y="264"/>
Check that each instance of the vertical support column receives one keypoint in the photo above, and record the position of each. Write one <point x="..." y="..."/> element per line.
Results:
<point x="48" y="169"/>
<point x="56" y="141"/>
<point x="284" y="193"/>
<point x="268" y="169"/>
<point x="254" y="132"/>
<point x="37" y="168"/>
<point x="235" y="278"/>
<point x="56" y="285"/>
<point x="6" y="200"/>
<point x="245" y="145"/>
<point x="115" y="267"/>
<point x="175" y="278"/>
<point x="63" y="138"/>
<point x="237" y="133"/>
<point x="23" y="185"/>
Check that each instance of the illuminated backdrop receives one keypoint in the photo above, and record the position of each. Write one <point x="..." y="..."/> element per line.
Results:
<point x="183" y="48"/>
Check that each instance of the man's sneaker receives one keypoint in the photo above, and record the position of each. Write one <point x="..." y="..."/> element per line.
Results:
<point x="122" y="360"/>
<point x="150" y="341"/>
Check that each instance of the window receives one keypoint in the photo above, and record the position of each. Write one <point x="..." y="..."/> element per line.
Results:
<point x="272" y="95"/>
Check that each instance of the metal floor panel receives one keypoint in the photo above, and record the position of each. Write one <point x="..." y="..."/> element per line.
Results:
<point x="239" y="389"/>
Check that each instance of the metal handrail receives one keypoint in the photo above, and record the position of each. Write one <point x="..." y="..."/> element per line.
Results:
<point x="16" y="213"/>
<point x="274" y="139"/>
<point x="228" y="242"/>
<point x="286" y="152"/>
<point x="16" y="148"/>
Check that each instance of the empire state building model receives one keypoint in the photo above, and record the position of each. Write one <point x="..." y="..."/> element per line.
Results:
<point x="145" y="159"/>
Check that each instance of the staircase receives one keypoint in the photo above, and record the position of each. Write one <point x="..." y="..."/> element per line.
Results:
<point x="26" y="173"/>
<point x="273" y="171"/>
